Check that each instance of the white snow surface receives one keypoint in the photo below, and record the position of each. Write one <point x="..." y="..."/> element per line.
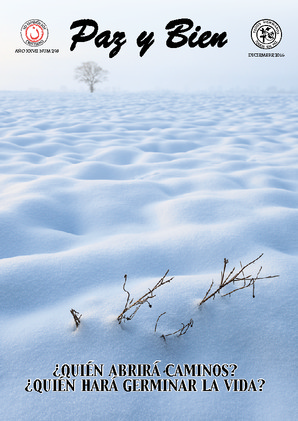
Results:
<point x="94" y="187"/>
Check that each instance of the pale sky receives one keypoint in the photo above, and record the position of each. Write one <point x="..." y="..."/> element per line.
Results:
<point x="184" y="68"/>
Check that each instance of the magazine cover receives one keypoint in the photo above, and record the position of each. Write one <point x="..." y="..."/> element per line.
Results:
<point x="148" y="210"/>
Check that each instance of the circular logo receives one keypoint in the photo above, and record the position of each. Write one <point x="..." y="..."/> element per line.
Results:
<point x="34" y="32"/>
<point x="266" y="34"/>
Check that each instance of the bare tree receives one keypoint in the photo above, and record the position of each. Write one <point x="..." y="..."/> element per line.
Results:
<point x="90" y="73"/>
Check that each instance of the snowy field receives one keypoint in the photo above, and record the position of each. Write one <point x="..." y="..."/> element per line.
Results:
<point x="94" y="187"/>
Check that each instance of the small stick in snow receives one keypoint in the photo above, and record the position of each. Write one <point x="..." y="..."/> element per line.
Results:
<point x="158" y="320"/>
<point x="180" y="331"/>
<point x="76" y="317"/>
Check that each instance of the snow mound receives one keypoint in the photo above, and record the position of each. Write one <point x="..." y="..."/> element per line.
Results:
<point x="97" y="186"/>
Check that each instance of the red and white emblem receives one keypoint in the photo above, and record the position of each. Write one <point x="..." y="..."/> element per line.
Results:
<point x="34" y="32"/>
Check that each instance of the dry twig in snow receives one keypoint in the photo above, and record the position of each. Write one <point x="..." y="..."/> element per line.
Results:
<point x="246" y="281"/>
<point x="178" y="332"/>
<point x="76" y="317"/>
<point x="135" y="305"/>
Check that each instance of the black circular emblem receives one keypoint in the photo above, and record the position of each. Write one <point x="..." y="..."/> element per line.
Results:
<point x="266" y="34"/>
